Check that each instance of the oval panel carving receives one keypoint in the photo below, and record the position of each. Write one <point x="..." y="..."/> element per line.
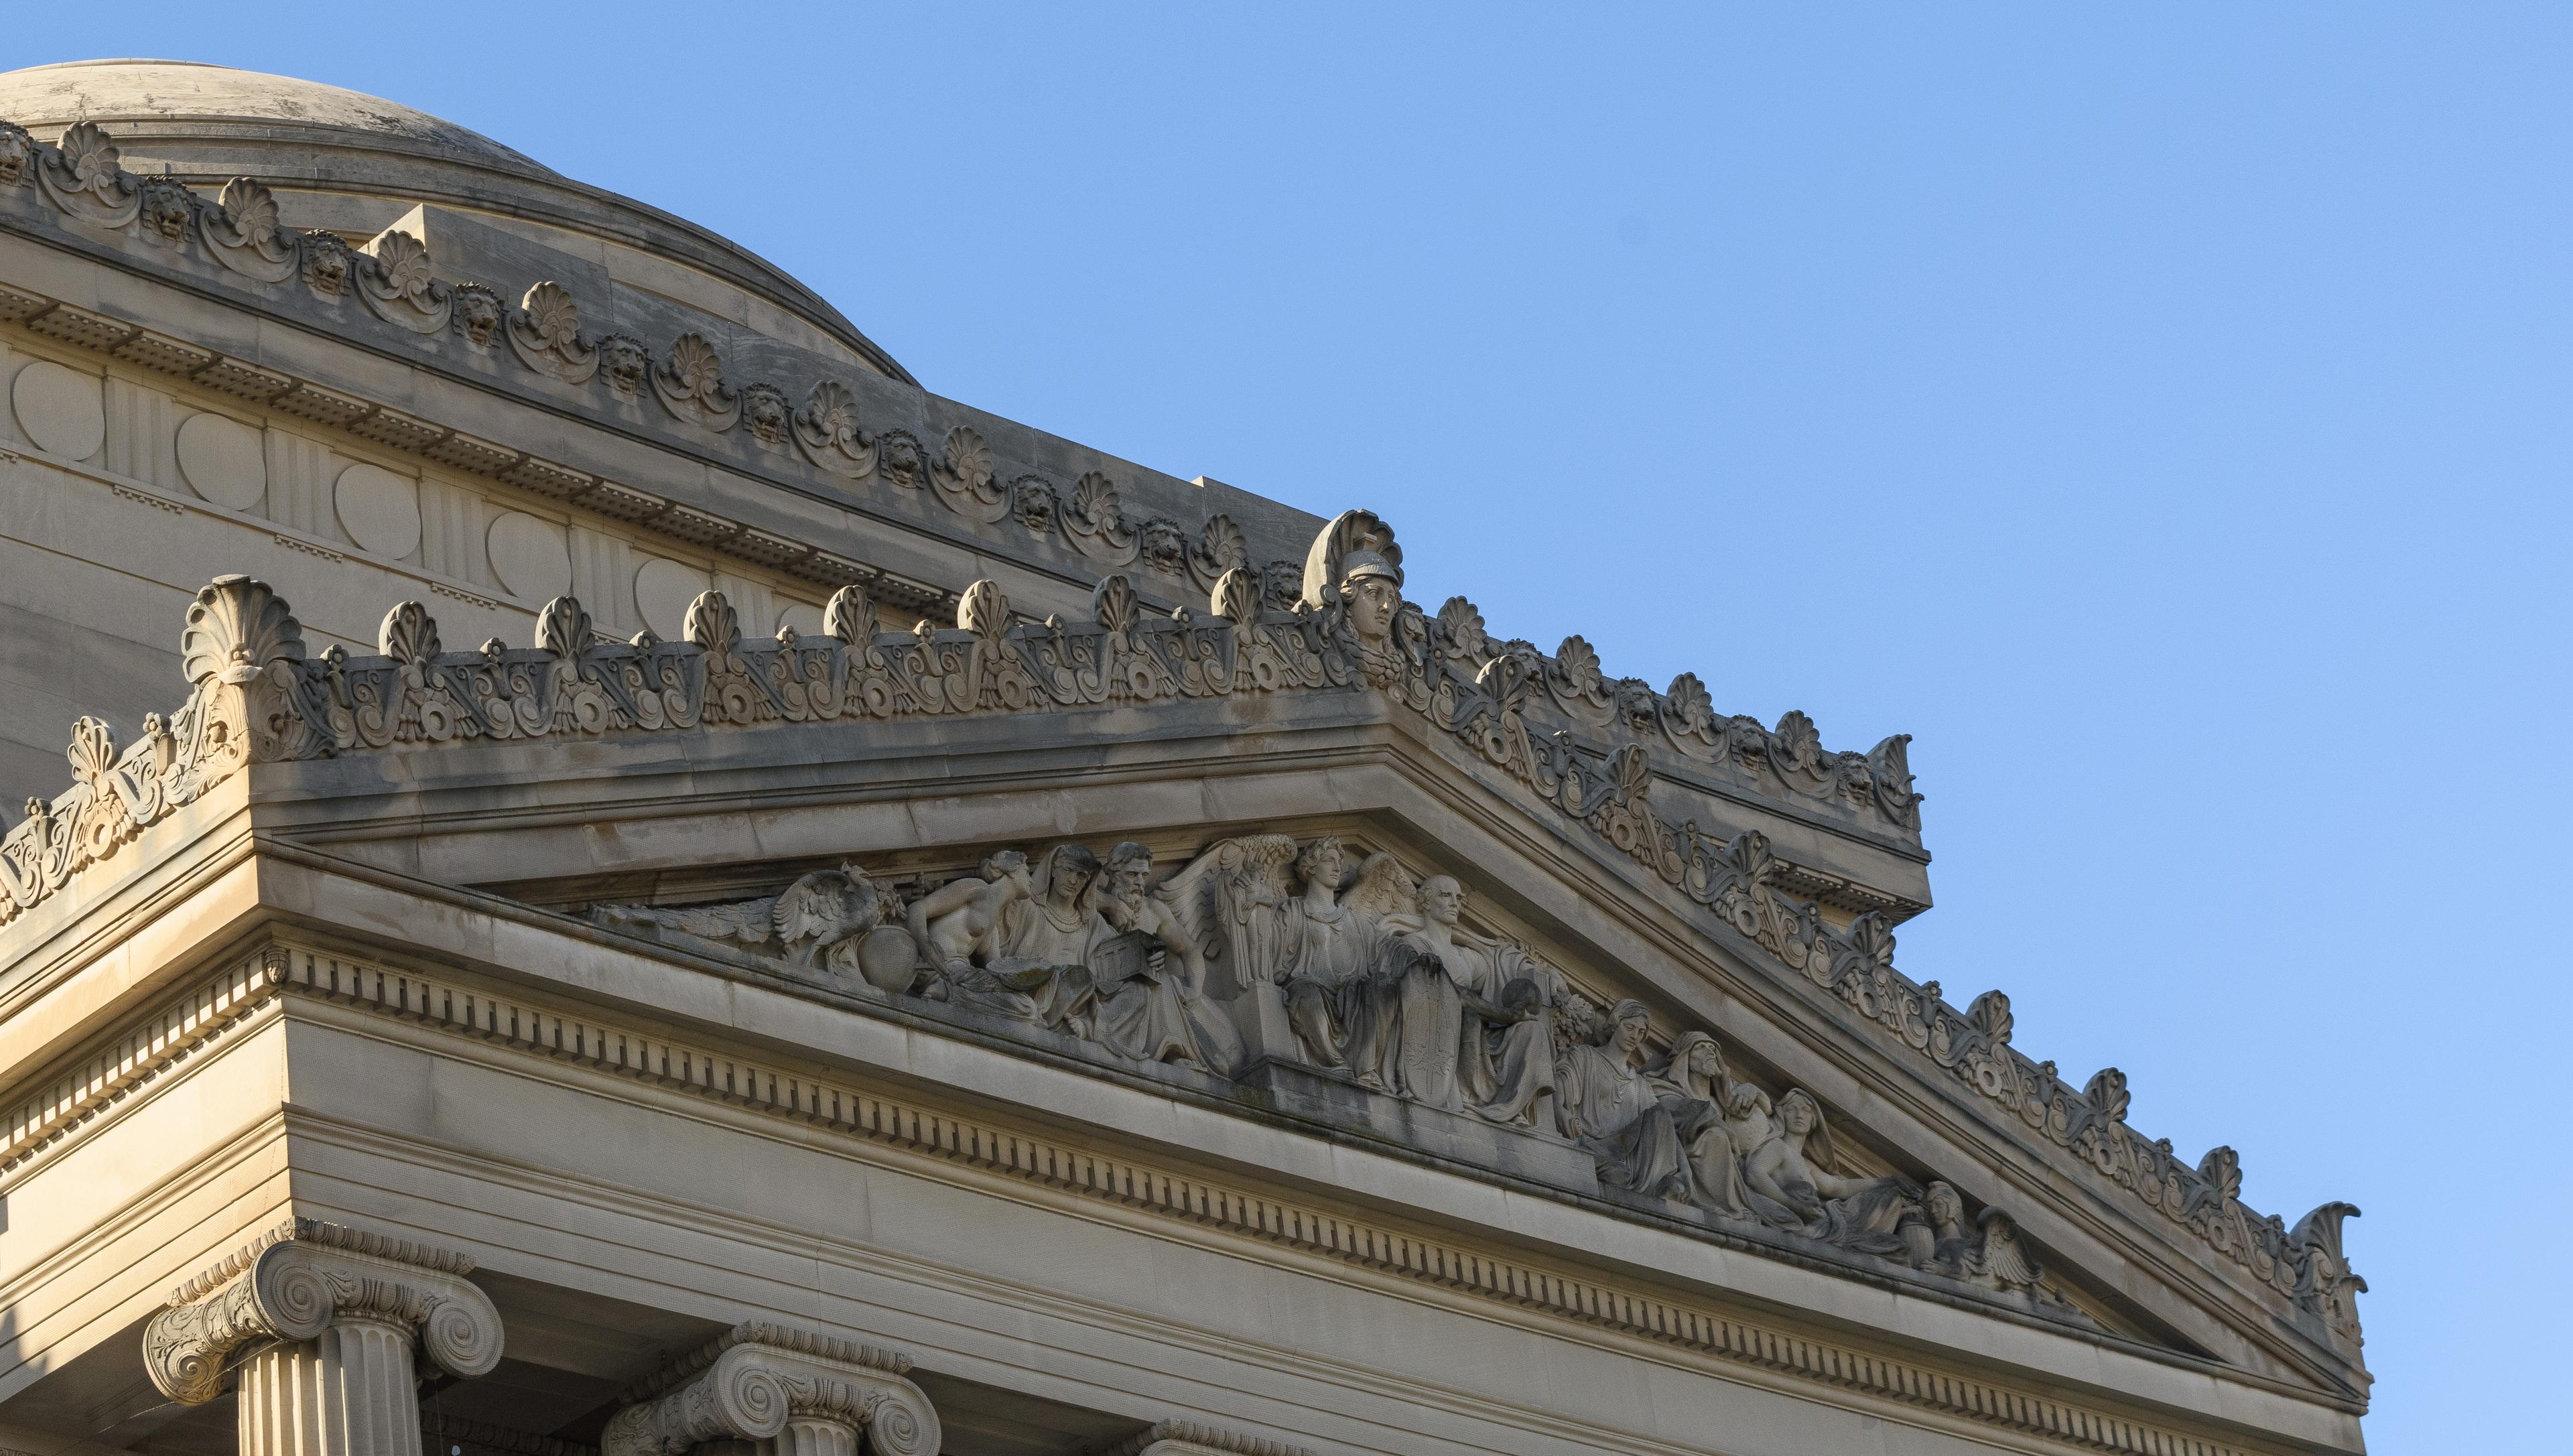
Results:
<point x="60" y="409"/>
<point x="223" y="460"/>
<point x="529" y="556"/>
<point x="662" y="590"/>
<point x="379" y="509"/>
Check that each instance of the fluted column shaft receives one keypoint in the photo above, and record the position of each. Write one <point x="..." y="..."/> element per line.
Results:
<point x="349" y="1392"/>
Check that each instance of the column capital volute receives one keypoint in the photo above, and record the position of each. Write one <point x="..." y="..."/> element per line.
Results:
<point x="301" y="1277"/>
<point x="748" y="1382"/>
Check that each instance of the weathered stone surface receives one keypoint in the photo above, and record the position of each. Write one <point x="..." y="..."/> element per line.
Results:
<point x="729" y="853"/>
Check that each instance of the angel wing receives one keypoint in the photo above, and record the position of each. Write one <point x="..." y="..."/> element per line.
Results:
<point x="2003" y="1259"/>
<point x="823" y="907"/>
<point x="1231" y="901"/>
<point x="747" y="921"/>
<point x="1383" y="888"/>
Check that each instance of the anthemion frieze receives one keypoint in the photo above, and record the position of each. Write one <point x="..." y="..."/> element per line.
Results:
<point x="630" y="881"/>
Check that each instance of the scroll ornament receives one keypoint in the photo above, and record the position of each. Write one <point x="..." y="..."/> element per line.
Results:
<point x="826" y="430"/>
<point x="241" y="232"/>
<point x="545" y="333"/>
<point x="399" y="285"/>
<point x="303" y="1277"/>
<point x="689" y="384"/>
<point x="751" y="1382"/>
<point x="82" y="176"/>
<point x="258" y="696"/>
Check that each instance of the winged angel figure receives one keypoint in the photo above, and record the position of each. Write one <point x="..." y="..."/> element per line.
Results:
<point x="1376" y="977"/>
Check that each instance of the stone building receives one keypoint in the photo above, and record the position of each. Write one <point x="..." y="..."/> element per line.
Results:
<point x="745" y="902"/>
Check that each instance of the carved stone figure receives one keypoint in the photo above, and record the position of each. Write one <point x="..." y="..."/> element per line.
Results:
<point x="477" y="315"/>
<point x="166" y="210"/>
<point x="17" y="148"/>
<point x="1034" y="963"/>
<point x="1695" y="1074"/>
<point x="1475" y="1028"/>
<point x="1639" y="1134"/>
<point x="1793" y="1185"/>
<point x="623" y="362"/>
<point x="327" y="263"/>
<point x="821" y="922"/>
<point x="764" y="412"/>
<point x="1341" y="1011"/>
<point x="948" y="922"/>
<point x="1152" y="1008"/>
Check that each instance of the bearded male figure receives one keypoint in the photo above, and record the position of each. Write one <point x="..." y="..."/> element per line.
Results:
<point x="1158" y="1013"/>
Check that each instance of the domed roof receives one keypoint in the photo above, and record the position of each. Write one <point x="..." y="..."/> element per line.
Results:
<point x="337" y="155"/>
<point x="187" y="97"/>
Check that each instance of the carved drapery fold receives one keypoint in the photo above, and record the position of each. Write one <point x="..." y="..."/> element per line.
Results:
<point x="793" y="1392"/>
<point x="323" y="1321"/>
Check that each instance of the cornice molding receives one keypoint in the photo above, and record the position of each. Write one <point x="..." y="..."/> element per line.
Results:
<point x="836" y="1105"/>
<point x="259" y="697"/>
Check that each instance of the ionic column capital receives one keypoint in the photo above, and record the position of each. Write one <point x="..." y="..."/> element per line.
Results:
<point x="1188" y="1438"/>
<point x="752" y="1381"/>
<point x="304" y="1276"/>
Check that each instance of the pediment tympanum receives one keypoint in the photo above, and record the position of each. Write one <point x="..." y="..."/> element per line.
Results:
<point x="1331" y="977"/>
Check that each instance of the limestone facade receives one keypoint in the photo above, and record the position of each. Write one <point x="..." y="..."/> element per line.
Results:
<point x="631" y="881"/>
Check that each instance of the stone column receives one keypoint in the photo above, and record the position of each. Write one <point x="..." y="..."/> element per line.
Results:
<point x="1188" y="1438"/>
<point x="784" y="1392"/>
<point x="319" y="1322"/>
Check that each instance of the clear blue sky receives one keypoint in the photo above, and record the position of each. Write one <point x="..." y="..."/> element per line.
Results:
<point x="2161" y="415"/>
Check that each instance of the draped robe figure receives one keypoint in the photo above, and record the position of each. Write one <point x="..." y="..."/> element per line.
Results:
<point x="1637" y="1131"/>
<point x="1340" y="1008"/>
<point x="1458" y="1046"/>
<point x="1791" y="1186"/>
<point x="1034" y="963"/>
<point x="1156" y="1013"/>
<point x="1696" y="1074"/>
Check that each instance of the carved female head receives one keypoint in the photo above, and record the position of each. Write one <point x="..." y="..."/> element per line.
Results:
<point x="1945" y="1208"/>
<point x="1322" y="863"/>
<point x="1000" y="865"/>
<point x="1374" y="589"/>
<point x="1069" y="869"/>
<point x="1799" y="1115"/>
<point x="1628" y="1025"/>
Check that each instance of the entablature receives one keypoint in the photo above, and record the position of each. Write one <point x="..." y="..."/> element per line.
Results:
<point x="1231" y="970"/>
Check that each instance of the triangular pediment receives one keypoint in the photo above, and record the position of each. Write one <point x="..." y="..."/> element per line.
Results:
<point x="1436" y="914"/>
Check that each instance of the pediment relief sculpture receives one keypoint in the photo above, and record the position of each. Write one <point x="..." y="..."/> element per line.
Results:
<point x="1343" y="995"/>
<point x="1380" y="982"/>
